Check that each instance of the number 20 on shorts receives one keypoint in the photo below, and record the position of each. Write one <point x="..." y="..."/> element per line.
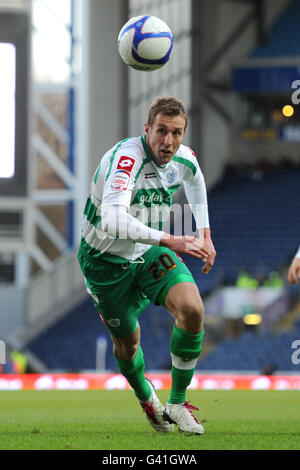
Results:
<point x="166" y="261"/>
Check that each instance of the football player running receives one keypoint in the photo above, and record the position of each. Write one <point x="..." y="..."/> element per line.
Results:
<point x="128" y="261"/>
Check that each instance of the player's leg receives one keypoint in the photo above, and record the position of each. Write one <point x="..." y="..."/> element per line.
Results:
<point x="167" y="281"/>
<point x="184" y="302"/>
<point x="129" y="357"/>
<point x="120" y="303"/>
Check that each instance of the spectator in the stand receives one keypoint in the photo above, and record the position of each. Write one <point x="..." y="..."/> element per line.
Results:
<point x="274" y="280"/>
<point x="294" y="269"/>
<point x="246" y="281"/>
<point x="16" y="363"/>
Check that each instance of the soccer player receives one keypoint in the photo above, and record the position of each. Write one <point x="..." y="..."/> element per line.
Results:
<point x="128" y="261"/>
<point x="294" y="269"/>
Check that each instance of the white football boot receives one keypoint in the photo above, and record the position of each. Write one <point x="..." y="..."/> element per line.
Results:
<point x="181" y="414"/>
<point x="155" y="412"/>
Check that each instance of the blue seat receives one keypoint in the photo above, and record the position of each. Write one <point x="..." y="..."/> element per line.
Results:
<point x="241" y="210"/>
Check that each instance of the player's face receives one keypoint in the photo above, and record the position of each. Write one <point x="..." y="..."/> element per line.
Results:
<point x="165" y="136"/>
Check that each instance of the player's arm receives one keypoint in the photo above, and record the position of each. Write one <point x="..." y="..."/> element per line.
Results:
<point x="196" y="194"/>
<point x="294" y="269"/>
<point x="201" y="247"/>
<point x="187" y="245"/>
<point x="118" y="222"/>
<point x="115" y="217"/>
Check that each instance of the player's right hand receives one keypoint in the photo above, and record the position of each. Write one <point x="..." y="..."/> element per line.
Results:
<point x="186" y="244"/>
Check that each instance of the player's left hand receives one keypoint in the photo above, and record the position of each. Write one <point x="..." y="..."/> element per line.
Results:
<point x="294" y="271"/>
<point x="209" y="247"/>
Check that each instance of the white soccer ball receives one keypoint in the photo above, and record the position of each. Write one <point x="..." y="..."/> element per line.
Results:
<point x="145" y="43"/>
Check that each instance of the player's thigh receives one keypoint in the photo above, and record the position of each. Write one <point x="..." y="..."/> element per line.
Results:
<point x="183" y="300"/>
<point x="183" y="296"/>
<point x="115" y="297"/>
<point x="161" y="270"/>
<point x="120" y="307"/>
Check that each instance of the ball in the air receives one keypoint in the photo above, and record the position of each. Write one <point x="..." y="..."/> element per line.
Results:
<point x="145" y="43"/>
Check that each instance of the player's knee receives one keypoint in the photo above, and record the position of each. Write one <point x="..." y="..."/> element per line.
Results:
<point x="131" y="351"/>
<point x="124" y="351"/>
<point x="192" y="316"/>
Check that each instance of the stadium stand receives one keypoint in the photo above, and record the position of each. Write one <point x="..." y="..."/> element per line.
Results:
<point x="245" y="204"/>
<point x="70" y="344"/>
<point x="283" y="39"/>
<point x="253" y="352"/>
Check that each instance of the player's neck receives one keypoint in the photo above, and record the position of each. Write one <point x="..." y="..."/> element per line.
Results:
<point x="149" y="153"/>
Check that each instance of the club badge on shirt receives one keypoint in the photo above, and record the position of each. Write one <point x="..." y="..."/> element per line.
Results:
<point x="171" y="176"/>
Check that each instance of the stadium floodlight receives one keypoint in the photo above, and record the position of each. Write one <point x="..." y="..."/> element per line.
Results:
<point x="14" y="102"/>
<point x="7" y="109"/>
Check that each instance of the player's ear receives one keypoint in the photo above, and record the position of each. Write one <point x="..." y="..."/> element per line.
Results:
<point x="146" y="127"/>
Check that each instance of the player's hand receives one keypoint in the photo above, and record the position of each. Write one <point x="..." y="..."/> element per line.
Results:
<point x="209" y="261"/>
<point x="199" y="248"/>
<point x="185" y="244"/>
<point x="294" y="271"/>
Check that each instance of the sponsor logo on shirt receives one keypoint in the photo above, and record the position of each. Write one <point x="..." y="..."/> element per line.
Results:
<point x="125" y="163"/>
<point x="150" y="197"/>
<point x="159" y="198"/>
<point x="155" y="198"/>
<point x="121" y="180"/>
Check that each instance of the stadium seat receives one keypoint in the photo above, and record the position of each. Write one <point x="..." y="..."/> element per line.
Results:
<point x="242" y="208"/>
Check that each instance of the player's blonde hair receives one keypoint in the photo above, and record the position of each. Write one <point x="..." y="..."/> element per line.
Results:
<point x="169" y="106"/>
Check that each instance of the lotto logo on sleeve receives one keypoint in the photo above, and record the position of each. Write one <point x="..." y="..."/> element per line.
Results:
<point x="126" y="163"/>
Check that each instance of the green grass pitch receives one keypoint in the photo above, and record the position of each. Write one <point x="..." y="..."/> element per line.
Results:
<point x="113" y="420"/>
